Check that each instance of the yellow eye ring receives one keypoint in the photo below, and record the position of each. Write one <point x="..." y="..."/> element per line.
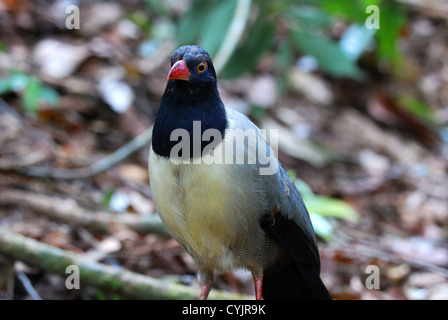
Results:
<point x="202" y="67"/>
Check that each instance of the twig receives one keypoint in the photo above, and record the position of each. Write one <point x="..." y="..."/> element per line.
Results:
<point x="28" y="285"/>
<point x="30" y="159"/>
<point x="29" y="156"/>
<point x="95" y="168"/>
<point x="118" y="280"/>
<point x="6" y="278"/>
<point x="69" y="211"/>
<point x="233" y="34"/>
<point x="359" y="246"/>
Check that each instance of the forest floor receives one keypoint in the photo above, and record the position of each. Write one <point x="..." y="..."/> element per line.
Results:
<point x="346" y="139"/>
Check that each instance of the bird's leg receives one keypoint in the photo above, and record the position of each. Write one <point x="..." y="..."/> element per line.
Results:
<point x="206" y="280"/>
<point x="258" y="281"/>
<point x="205" y="290"/>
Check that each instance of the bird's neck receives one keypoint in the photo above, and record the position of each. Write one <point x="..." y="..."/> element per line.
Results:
<point x="181" y="107"/>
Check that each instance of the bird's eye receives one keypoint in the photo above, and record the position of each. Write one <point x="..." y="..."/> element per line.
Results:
<point x="202" y="67"/>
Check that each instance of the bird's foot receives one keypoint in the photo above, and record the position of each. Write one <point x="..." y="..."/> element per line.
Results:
<point x="258" y="281"/>
<point x="205" y="290"/>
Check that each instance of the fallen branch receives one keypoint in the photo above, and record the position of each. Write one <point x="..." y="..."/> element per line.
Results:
<point x="109" y="278"/>
<point x="69" y="211"/>
<point x="6" y="278"/>
<point x="362" y="244"/>
<point x="96" y="167"/>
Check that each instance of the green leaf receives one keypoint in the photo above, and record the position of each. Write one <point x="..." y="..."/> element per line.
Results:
<point x="100" y="295"/>
<point x="246" y="56"/>
<point x="106" y="196"/>
<point x="355" y="40"/>
<point x="194" y="21"/>
<point x="308" y="17"/>
<point x="417" y="107"/>
<point x="141" y="21"/>
<point x="302" y="186"/>
<point x="351" y="10"/>
<point x="31" y="95"/>
<point x="324" y="206"/>
<point x="366" y="3"/>
<point x="322" y="227"/>
<point x="284" y="59"/>
<point x="157" y="7"/>
<point x="18" y="80"/>
<point x="216" y="26"/>
<point x="293" y="176"/>
<point x="49" y="96"/>
<point x="258" y="113"/>
<point x="4" y="86"/>
<point x="331" y="58"/>
<point x="347" y="9"/>
<point x="331" y="207"/>
<point x="35" y="93"/>
<point x="392" y="21"/>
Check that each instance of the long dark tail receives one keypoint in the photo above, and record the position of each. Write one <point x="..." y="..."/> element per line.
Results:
<point x="294" y="281"/>
<point x="296" y="276"/>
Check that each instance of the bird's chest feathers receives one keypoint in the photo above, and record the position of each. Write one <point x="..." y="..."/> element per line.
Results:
<point x="192" y="200"/>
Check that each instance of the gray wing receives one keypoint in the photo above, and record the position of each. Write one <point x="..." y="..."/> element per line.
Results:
<point x="286" y="219"/>
<point x="292" y="226"/>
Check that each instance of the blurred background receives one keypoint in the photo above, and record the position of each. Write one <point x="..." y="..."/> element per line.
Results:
<point x="359" y="95"/>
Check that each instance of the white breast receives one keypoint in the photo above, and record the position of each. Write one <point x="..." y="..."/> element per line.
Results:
<point x="212" y="209"/>
<point x="198" y="203"/>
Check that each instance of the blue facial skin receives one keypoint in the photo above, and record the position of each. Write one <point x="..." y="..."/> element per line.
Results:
<point x="186" y="101"/>
<point x="193" y="56"/>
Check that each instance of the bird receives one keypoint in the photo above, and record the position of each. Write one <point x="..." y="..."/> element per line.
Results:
<point x="228" y="204"/>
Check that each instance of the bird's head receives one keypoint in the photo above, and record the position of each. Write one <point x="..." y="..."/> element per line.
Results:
<point x="191" y="96"/>
<point x="193" y="65"/>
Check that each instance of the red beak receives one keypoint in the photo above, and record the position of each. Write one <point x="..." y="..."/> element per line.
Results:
<point x="179" y="71"/>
